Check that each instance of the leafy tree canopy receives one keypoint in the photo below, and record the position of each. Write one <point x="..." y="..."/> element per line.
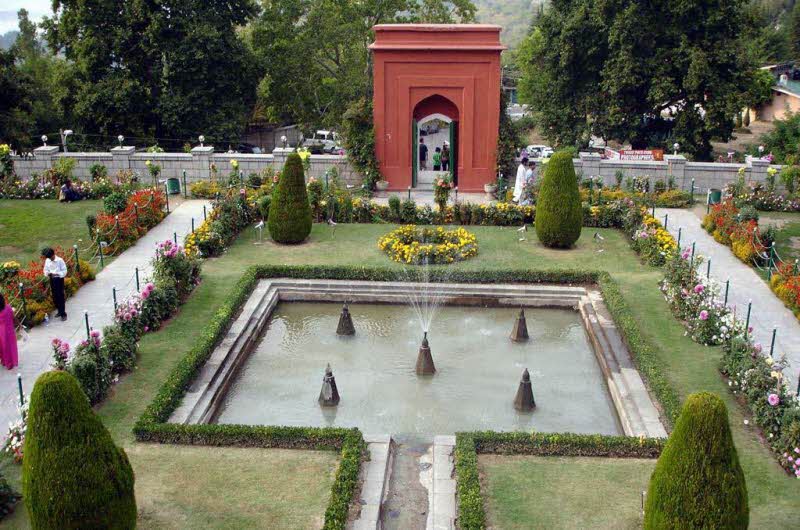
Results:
<point x="168" y="69"/>
<point x="649" y="73"/>
<point x="314" y="54"/>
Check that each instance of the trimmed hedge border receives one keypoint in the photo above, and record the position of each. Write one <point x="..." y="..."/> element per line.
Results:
<point x="471" y="514"/>
<point x="152" y="425"/>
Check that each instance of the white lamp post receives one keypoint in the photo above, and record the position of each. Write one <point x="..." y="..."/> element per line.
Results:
<point x="120" y="139"/>
<point x="675" y="147"/>
<point x="283" y="141"/>
<point x="44" y="140"/>
<point x="202" y="139"/>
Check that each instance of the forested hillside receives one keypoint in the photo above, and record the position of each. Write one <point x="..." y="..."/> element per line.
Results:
<point x="514" y="15"/>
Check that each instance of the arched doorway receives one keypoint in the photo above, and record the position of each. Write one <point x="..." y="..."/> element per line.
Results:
<point x="434" y="137"/>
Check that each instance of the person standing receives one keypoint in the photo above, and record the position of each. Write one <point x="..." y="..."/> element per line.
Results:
<point x="437" y="159"/>
<point x="56" y="270"/>
<point x="519" y="183"/>
<point x="423" y="154"/>
<point x="446" y="157"/>
<point x="8" y="337"/>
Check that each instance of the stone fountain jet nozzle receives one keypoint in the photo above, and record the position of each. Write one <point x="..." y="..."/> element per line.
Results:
<point x="345" y="326"/>
<point x="524" y="401"/>
<point x="520" y="331"/>
<point x="425" y="364"/>
<point x="329" y="395"/>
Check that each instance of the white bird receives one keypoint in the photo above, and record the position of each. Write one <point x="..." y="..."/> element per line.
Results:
<point x="598" y="237"/>
<point x="259" y="225"/>
<point x="523" y="228"/>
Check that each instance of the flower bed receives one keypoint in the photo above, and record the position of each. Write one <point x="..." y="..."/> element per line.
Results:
<point x="752" y="246"/>
<point x="428" y="246"/>
<point x="231" y="214"/>
<point x="761" y="197"/>
<point x="44" y="188"/>
<point x="32" y="301"/>
<point x="144" y="209"/>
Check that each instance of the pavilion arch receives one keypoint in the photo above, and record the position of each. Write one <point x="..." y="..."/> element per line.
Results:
<point x="426" y="69"/>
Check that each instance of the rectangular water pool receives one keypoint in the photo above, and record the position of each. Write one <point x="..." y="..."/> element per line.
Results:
<point x="478" y="372"/>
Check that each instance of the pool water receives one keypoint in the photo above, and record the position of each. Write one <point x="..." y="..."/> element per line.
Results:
<point x="478" y="372"/>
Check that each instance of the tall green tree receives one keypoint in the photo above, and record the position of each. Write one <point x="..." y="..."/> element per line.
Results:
<point x="169" y="69"/>
<point x="648" y="73"/>
<point x="314" y="54"/>
<point x="15" y="102"/>
<point x="52" y="83"/>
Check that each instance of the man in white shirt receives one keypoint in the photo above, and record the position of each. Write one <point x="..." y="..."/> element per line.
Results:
<point x="520" y="181"/>
<point x="56" y="270"/>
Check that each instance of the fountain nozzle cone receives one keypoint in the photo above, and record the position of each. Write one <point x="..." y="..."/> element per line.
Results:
<point x="524" y="401"/>
<point x="329" y="394"/>
<point x="345" y="326"/>
<point x="425" y="364"/>
<point x="520" y="331"/>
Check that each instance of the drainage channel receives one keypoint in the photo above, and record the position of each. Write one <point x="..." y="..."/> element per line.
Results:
<point x="408" y="484"/>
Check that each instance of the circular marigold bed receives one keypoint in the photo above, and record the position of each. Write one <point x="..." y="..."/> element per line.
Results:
<point x="417" y="246"/>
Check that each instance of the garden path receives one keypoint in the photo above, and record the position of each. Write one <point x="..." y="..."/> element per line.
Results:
<point x="96" y="298"/>
<point x="768" y="311"/>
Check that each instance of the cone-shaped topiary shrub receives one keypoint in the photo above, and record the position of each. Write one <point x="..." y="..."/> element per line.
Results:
<point x="289" y="211"/>
<point x="73" y="476"/>
<point x="558" y="210"/>
<point x="697" y="482"/>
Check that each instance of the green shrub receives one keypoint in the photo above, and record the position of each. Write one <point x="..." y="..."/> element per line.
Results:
<point x="115" y="203"/>
<point x="394" y="208"/>
<point x="119" y="348"/>
<point x="290" y="213"/>
<point x="73" y="476"/>
<point x="558" y="210"/>
<point x="97" y="172"/>
<point x="408" y="212"/>
<point x="698" y="482"/>
<point x="263" y="206"/>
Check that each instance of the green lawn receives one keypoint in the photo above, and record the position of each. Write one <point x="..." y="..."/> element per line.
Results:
<point x="554" y="492"/>
<point x="774" y="497"/>
<point x="787" y="238"/>
<point x="28" y="226"/>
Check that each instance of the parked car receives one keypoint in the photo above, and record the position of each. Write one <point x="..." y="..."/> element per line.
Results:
<point x="539" y="151"/>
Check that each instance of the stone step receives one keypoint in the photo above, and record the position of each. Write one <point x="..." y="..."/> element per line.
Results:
<point x="375" y="474"/>
<point x="442" y="492"/>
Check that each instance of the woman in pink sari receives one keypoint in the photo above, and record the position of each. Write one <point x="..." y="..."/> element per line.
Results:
<point x="8" y="337"/>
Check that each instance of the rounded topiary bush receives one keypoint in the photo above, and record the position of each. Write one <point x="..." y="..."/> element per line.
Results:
<point x="697" y="482"/>
<point x="289" y="211"/>
<point x="73" y="476"/>
<point x="558" y="210"/>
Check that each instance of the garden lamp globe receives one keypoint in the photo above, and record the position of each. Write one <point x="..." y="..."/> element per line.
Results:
<point x="44" y="140"/>
<point x="676" y="146"/>
<point x="201" y="139"/>
<point x="760" y="150"/>
<point x="283" y="141"/>
<point x="120" y="139"/>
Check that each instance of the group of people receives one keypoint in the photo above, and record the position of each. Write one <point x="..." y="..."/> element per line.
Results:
<point x="55" y="269"/>
<point x="441" y="156"/>
<point x="526" y="175"/>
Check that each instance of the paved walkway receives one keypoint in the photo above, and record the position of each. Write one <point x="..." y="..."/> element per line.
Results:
<point x="94" y="297"/>
<point x="746" y="285"/>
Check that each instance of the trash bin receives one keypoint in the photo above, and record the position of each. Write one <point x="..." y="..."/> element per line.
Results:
<point x="173" y="186"/>
<point x="714" y="196"/>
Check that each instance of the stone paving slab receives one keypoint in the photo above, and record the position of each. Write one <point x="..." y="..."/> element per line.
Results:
<point x="96" y="298"/>
<point x="768" y="311"/>
<point x="375" y="478"/>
